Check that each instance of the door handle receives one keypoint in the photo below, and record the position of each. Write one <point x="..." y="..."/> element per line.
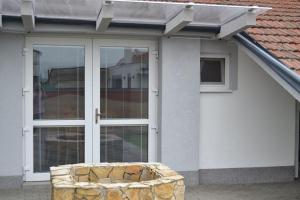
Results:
<point x="97" y="115"/>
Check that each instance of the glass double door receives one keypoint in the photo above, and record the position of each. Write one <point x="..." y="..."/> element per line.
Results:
<point x="88" y="101"/>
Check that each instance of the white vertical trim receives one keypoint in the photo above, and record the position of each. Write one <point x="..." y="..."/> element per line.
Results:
<point x="0" y="20"/>
<point x="88" y="101"/>
<point x="96" y="101"/>
<point x="28" y="110"/>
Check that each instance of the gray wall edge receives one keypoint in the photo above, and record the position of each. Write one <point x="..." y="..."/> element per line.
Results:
<point x="247" y="175"/>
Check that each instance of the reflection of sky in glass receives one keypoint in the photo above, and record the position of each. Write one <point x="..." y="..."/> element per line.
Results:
<point x="58" y="57"/>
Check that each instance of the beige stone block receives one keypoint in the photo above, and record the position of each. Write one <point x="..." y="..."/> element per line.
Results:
<point x="131" y="177"/>
<point x="117" y="173"/>
<point x="82" y="170"/>
<point x="114" y="194"/>
<point x="146" y="194"/>
<point x="164" y="191"/>
<point x="88" y="191"/>
<point x="63" y="193"/>
<point x="101" y="172"/>
<point x="132" y="194"/>
<point x="134" y="169"/>
<point x="179" y="192"/>
<point x="60" y="172"/>
<point x="93" y="177"/>
<point x="83" y="178"/>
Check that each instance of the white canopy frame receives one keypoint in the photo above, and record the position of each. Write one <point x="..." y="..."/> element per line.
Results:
<point x="173" y="16"/>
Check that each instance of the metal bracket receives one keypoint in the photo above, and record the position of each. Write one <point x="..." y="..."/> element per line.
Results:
<point x="156" y="92"/>
<point x="156" y="54"/>
<point x="25" y="130"/>
<point x="24" y="52"/>
<point x="25" y="90"/>
<point x="25" y="169"/>
<point x="155" y="129"/>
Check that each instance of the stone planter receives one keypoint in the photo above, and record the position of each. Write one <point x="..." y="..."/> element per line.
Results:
<point x="116" y="181"/>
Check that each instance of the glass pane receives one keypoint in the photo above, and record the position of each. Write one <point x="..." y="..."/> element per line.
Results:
<point x="58" y="81"/>
<point x="213" y="70"/>
<point x="124" y="82"/>
<point x="57" y="146"/>
<point x="124" y="144"/>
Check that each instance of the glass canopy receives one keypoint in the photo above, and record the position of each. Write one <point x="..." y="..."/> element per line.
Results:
<point x="135" y="11"/>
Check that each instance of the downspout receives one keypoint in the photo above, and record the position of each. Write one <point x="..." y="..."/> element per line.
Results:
<point x="279" y="68"/>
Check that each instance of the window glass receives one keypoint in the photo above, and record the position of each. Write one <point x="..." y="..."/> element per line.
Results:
<point x="212" y="70"/>
<point x="57" y="146"/>
<point x="124" y="82"/>
<point x="58" y="82"/>
<point x="124" y="143"/>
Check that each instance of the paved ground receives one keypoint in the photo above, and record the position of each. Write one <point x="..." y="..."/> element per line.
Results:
<point x="276" y="191"/>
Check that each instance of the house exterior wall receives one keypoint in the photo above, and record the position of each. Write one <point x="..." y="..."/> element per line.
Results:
<point x="251" y="127"/>
<point x="11" y="115"/>
<point x="238" y="133"/>
<point x="254" y="126"/>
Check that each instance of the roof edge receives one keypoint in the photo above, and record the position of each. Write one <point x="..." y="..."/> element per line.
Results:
<point x="278" y="67"/>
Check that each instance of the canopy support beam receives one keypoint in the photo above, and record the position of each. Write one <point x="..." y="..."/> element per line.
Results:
<point x="237" y="25"/>
<point x="105" y="16"/>
<point x="178" y="22"/>
<point x="27" y="14"/>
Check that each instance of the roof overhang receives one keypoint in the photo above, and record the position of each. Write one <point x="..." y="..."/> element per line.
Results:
<point x="288" y="79"/>
<point x="172" y="18"/>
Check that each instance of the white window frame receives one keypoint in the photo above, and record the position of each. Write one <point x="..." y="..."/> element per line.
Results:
<point x="211" y="87"/>
<point x="29" y="123"/>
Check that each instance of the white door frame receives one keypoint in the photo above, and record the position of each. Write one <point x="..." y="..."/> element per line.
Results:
<point x="153" y="85"/>
<point x="29" y="123"/>
<point x="92" y="76"/>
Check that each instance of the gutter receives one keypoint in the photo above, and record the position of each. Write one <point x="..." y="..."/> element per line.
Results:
<point x="278" y="67"/>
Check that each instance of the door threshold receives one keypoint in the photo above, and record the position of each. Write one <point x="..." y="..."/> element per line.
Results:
<point x="35" y="183"/>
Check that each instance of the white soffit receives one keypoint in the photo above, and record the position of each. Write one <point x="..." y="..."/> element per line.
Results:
<point x="133" y="11"/>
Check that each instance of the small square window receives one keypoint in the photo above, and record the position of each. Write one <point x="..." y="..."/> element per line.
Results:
<point x="212" y="71"/>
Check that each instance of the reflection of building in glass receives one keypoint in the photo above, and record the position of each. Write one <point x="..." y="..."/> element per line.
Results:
<point x="131" y="71"/>
<point x="124" y="83"/>
<point x="58" y="91"/>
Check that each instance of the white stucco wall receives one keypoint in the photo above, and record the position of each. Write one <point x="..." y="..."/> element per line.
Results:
<point x="11" y="81"/>
<point x="179" y="102"/>
<point x="254" y="126"/>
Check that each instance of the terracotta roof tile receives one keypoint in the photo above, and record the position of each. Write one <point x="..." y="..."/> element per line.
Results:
<point x="277" y="30"/>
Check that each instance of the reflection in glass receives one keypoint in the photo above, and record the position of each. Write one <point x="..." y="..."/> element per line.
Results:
<point x="124" y="82"/>
<point x="212" y="70"/>
<point x="58" y="82"/>
<point x="57" y="146"/>
<point x="124" y="144"/>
